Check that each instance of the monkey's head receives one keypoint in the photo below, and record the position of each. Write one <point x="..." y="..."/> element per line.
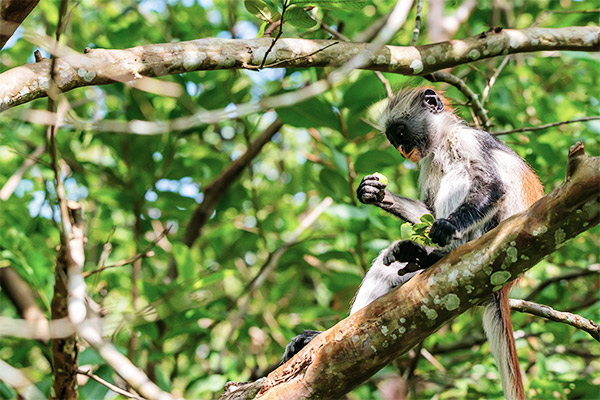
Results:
<point x="410" y="121"/>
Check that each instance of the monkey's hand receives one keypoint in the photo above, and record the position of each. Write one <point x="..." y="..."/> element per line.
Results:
<point x="409" y="252"/>
<point x="442" y="232"/>
<point x="371" y="190"/>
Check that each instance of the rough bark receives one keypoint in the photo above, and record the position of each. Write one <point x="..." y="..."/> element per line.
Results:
<point x="12" y="14"/>
<point x="99" y="66"/>
<point x="353" y="350"/>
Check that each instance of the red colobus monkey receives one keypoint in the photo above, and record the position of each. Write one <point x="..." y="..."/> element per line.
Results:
<point x="470" y="181"/>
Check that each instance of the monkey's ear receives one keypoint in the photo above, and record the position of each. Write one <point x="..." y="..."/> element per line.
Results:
<point x="432" y="101"/>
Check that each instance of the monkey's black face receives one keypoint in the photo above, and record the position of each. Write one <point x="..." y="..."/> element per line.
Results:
<point x="408" y="127"/>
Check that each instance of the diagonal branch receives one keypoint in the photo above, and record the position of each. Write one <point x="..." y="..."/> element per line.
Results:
<point x="357" y="347"/>
<point x="217" y="188"/>
<point x="101" y="66"/>
<point x="12" y="14"/>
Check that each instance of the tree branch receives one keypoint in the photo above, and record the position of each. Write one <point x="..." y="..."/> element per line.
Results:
<point x="217" y="188"/>
<point x="101" y="66"/>
<point x="557" y="316"/>
<point x="357" y="347"/>
<point x="466" y="91"/>
<point x="546" y="126"/>
<point x="12" y="14"/>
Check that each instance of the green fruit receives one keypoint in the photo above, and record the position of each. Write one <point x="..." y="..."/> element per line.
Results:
<point x="381" y="178"/>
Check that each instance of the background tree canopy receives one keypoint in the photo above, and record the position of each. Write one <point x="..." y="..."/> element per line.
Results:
<point x="210" y="259"/>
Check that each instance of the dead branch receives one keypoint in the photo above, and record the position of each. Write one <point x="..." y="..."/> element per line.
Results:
<point x="557" y="316"/>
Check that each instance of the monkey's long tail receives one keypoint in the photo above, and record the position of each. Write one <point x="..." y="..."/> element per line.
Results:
<point x="498" y="328"/>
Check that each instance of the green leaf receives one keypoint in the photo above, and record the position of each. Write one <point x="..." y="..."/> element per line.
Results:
<point x="261" y="30"/>
<point x="298" y="17"/>
<point x="427" y="218"/>
<point x="260" y="9"/>
<point x="311" y="113"/>
<point x="373" y="160"/>
<point x="343" y="4"/>
<point x="333" y="183"/>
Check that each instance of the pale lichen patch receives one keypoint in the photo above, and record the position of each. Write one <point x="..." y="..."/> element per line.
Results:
<point x="469" y="288"/>
<point x="416" y="66"/>
<point x="499" y="277"/>
<point x="451" y="301"/>
<point x="384" y="330"/>
<point x="540" y="231"/>
<point x="429" y="313"/>
<point x="402" y="320"/>
<point x="402" y="330"/>
<point x="474" y="54"/>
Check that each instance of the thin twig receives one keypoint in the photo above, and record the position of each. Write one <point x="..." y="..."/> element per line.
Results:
<point x="271" y="263"/>
<point x="544" y="311"/>
<point x="546" y="126"/>
<point x="109" y="385"/>
<point x="417" y="28"/>
<point x="591" y="270"/>
<point x="291" y="59"/>
<point x="386" y="84"/>
<point x="283" y="9"/>
<point x="333" y="32"/>
<point x="466" y="90"/>
<point x="12" y="182"/>
<point x="488" y="87"/>
<point x="144" y="254"/>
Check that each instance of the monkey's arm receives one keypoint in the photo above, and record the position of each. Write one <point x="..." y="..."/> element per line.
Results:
<point x="372" y="191"/>
<point x="476" y="209"/>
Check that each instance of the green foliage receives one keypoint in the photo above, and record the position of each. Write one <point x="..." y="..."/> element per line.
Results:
<point x="132" y="187"/>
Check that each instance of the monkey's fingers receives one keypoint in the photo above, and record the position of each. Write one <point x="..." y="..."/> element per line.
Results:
<point x="373" y="180"/>
<point x="442" y="232"/>
<point x="369" y="194"/>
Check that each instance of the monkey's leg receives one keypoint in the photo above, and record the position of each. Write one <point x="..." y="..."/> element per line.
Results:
<point x="298" y="343"/>
<point x="414" y="254"/>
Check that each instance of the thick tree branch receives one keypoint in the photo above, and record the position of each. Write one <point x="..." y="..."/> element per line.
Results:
<point x="99" y="66"/>
<point x="12" y="14"/>
<point x="357" y="347"/>
<point x="557" y="316"/>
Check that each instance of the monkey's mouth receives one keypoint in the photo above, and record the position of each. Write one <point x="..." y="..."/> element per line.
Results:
<point x="413" y="155"/>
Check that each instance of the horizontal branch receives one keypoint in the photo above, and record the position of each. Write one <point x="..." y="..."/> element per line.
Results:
<point x="354" y="349"/>
<point x="101" y="66"/>
<point x="546" y="126"/>
<point x="557" y="316"/>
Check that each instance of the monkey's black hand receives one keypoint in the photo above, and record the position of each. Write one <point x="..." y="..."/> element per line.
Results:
<point x="406" y="251"/>
<point x="442" y="231"/>
<point x="297" y="343"/>
<point x="371" y="190"/>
